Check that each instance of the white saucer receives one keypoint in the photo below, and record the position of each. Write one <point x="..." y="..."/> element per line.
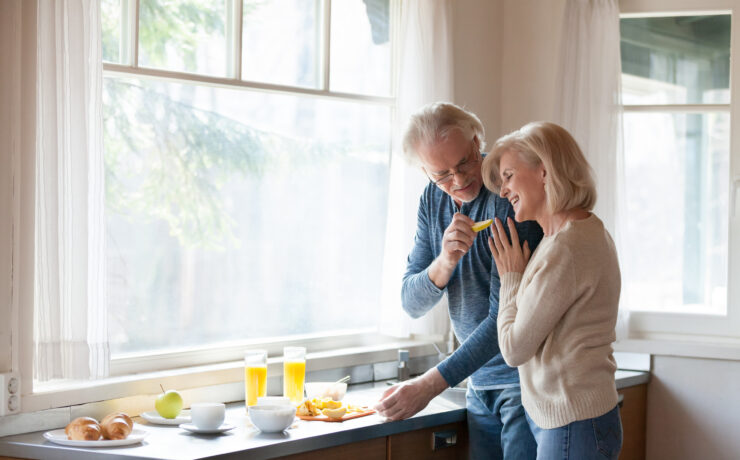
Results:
<point x="59" y="437"/>
<point x="194" y="429"/>
<point x="154" y="417"/>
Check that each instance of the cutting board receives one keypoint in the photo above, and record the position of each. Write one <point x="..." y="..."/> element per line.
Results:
<point x="324" y="418"/>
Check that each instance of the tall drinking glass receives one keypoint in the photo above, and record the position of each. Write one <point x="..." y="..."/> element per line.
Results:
<point x="255" y="376"/>
<point x="294" y="373"/>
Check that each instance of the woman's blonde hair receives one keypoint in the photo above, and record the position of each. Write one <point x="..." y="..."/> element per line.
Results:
<point x="569" y="182"/>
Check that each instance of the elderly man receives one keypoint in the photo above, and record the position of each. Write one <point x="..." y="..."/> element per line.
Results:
<point x="448" y="256"/>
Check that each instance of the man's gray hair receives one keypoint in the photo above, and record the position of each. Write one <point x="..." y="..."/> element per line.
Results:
<point x="433" y="123"/>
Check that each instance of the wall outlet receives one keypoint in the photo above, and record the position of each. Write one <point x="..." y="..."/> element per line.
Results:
<point x="10" y="389"/>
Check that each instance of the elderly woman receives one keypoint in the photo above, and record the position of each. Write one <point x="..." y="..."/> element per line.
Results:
<point x="557" y="308"/>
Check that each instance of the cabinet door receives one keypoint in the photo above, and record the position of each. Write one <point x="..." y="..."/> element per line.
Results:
<point x="441" y="442"/>
<point x="633" y="412"/>
<point x="372" y="449"/>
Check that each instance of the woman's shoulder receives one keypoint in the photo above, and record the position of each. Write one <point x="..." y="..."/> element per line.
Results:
<point x="586" y="237"/>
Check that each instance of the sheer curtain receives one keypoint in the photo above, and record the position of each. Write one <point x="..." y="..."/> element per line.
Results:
<point x="590" y="102"/>
<point x="424" y="75"/>
<point x="70" y="328"/>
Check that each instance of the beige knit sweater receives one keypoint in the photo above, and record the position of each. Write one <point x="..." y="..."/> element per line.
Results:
<point x="556" y="322"/>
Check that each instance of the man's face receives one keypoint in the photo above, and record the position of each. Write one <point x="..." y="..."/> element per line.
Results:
<point x="454" y="165"/>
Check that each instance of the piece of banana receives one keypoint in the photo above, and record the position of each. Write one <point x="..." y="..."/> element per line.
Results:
<point x="335" y="413"/>
<point x="331" y="404"/>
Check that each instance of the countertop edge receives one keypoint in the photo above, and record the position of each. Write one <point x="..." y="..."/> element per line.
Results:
<point x="632" y="378"/>
<point x="347" y="437"/>
<point x="455" y="414"/>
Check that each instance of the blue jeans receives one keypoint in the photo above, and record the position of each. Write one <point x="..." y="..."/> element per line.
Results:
<point x="497" y="425"/>
<point x="594" y="438"/>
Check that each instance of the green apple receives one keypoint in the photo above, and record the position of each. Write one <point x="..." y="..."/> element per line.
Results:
<point x="168" y="404"/>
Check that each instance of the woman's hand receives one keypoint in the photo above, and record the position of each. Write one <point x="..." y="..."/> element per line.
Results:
<point x="509" y="257"/>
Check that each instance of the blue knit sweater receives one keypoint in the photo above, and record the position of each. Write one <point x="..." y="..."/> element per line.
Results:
<point x="473" y="289"/>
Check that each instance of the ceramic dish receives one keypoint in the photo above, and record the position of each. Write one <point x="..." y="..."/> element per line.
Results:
<point x="194" y="429"/>
<point x="319" y="390"/>
<point x="272" y="419"/>
<point x="154" y="417"/>
<point x="273" y="401"/>
<point x="60" y="437"/>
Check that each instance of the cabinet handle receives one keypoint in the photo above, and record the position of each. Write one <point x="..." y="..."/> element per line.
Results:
<point x="620" y="401"/>
<point x="444" y="439"/>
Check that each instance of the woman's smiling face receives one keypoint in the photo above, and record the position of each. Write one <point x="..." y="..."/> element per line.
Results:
<point x="523" y="185"/>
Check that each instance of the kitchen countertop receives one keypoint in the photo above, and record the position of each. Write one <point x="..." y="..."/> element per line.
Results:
<point x="171" y="442"/>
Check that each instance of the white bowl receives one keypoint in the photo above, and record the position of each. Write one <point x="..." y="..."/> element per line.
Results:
<point x="272" y="419"/>
<point x="273" y="401"/>
<point x="333" y="390"/>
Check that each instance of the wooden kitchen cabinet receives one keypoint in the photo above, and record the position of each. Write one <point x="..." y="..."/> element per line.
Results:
<point x="633" y="412"/>
<point x="372" y="449"/>
<point x="451" y="440"/>
<point x="452" y="444"/>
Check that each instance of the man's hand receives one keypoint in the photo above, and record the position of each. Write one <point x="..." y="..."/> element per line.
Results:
<point x="456" y="242"/>
<point x="407" y="398"/>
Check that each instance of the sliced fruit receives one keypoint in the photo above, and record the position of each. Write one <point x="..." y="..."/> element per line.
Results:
<point x="331" y="404"/>
<point x="335" y="413"/>
<point x="308" y="408"/>
<point x="317" y="403"/>
<point x="482" y="225"/>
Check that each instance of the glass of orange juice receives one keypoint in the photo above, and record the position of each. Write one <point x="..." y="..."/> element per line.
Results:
<point x="294" y="373"/>
<point x="255" y="376"/>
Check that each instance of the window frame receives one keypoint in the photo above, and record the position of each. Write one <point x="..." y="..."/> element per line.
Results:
<point x="649" y="331"/>
<point x="130" y="363"/>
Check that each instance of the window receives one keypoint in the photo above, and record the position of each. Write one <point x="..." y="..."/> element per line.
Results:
<point x="247" y="148"/>
<point x="677" y="272"/>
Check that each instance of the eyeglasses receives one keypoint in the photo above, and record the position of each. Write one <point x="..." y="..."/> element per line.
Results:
<point x="463" y="167"/>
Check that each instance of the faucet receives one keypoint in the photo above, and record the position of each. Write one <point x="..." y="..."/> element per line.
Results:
<point x="404" y="373"/>
<point x="450" y="345"/>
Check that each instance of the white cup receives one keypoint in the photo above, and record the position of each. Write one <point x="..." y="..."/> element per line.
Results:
<point x="208" y="416"/>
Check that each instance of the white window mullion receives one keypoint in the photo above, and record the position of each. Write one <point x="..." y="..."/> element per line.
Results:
<point x="326" y="46"/>
<point x="128" y="45"/>
<point x="234" y="12"/>
<point x="678" y="108"/>
<point x="134" y="30"/>
<point x="110" y="69"/>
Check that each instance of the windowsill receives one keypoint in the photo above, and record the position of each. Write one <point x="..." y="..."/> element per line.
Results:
<point x="207" y="381"/>
<point x="683" y="346"/>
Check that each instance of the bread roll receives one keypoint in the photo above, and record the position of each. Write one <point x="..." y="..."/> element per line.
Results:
<point x="83" y="429"/>
<point x="117" y="425"/>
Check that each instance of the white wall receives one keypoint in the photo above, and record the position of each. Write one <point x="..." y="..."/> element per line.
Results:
<point x="693" y="409"/>
<point x="477" y="49"/>
<point x="529" y="63"/>
<point x="505" y="55"/>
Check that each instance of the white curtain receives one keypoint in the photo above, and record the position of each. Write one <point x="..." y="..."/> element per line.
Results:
<point x="424" y="75"/>
<point x="70" y="327"/>
<point x="590" y="102"/>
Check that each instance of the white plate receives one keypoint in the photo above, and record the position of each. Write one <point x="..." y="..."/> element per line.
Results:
<point x="194" y="429"/>
<point x="59" y="437"/>
<point x="154" y="417"/>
